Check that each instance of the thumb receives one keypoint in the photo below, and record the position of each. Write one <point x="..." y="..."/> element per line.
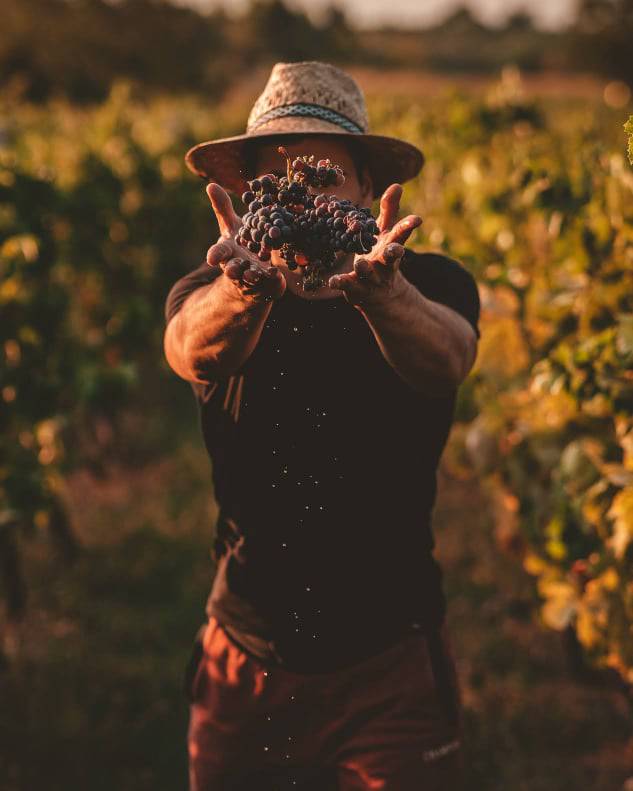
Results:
<point x="228" y="220"/>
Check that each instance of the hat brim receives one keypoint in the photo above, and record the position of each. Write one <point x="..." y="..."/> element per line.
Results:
<point x="224" y="161"/>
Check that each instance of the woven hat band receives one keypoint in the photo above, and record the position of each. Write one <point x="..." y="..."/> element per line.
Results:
<point x="306" y="111"/>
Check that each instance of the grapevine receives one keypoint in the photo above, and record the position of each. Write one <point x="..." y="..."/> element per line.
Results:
<point x="310" y="228"/>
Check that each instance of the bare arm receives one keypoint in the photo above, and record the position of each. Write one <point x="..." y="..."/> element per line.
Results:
<point x="214" y="332"/>
<point x="219" y="325"/>
<point x="428" y="344"/>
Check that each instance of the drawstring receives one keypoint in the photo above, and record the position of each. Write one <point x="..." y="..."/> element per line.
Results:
<point x="234" y="408"/>
<point x="229" y="388"/>
<point x="238" y="399"/>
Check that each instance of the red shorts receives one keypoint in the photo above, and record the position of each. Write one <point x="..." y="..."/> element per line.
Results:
<point x="390" y="722"/>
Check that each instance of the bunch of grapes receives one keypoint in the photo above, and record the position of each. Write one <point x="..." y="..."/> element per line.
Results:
<point x="310" y="228"/>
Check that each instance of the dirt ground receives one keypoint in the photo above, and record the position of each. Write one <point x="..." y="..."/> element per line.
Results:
<point x="92" y="697"/>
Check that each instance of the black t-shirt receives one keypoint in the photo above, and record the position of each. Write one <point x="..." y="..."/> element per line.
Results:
<point x="324" y="467"/>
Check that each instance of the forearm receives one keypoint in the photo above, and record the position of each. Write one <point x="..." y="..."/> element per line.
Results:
<point x="420" y="339"/>
<point x="216" y="330"/>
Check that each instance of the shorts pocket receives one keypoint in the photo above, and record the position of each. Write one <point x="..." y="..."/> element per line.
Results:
<point x="195" y="667"/>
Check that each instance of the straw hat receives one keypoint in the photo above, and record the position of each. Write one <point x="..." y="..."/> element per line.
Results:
<point x="301" y="99"/>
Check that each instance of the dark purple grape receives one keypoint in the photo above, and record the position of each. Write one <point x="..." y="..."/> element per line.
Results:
<point x="297" y="217"/>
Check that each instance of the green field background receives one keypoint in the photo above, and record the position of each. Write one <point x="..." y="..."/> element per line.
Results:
<point x="108" y="506"/>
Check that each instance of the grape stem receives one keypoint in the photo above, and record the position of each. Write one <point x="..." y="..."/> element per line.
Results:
<point x="282" y="150"/>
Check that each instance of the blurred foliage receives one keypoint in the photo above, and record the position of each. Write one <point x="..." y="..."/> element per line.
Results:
<point x="80" y="48"/>
<point x="98" y="218"/>
<point x="628" y="127"/>
<point x="540" y="207"/>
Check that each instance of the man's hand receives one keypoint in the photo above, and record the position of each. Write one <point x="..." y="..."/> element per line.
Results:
<point x="252" y="279"/>
<point x="376" y="277"/>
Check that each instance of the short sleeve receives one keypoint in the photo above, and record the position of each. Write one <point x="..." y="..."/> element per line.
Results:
<point x="201" y="276"/>
<point x="444" y="280"/>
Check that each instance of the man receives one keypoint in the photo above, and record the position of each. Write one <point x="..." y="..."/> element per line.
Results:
<point x="325" y="662"/>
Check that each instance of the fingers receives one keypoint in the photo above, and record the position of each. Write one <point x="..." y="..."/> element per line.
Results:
<point x="228" y="220"/>
<point x="392" y="254"/>
<point x="403" y="229"/>
<point x="220" y="252"/>
<point x="367" y="273"/>
<point x="385" y="259"/>
<point x="389" y="205"/>
<point x="342" y="282"/>
<point x="254" y="280"/>
<point x="236" y="268"/>
<point x="363" y="269"/>
<point x="363" y="278"/>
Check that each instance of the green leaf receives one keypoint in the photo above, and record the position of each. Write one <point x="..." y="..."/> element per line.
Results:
<point x="628" y="128"/>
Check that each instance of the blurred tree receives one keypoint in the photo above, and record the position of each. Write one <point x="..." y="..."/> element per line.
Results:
<point x="519" y="21"/>
<point x="272" y="30"/>
<point x="78" y="48"/>
<point x="462" y="22"/>
<point x="602" y="38"/>
<point x="343" y="39"/>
